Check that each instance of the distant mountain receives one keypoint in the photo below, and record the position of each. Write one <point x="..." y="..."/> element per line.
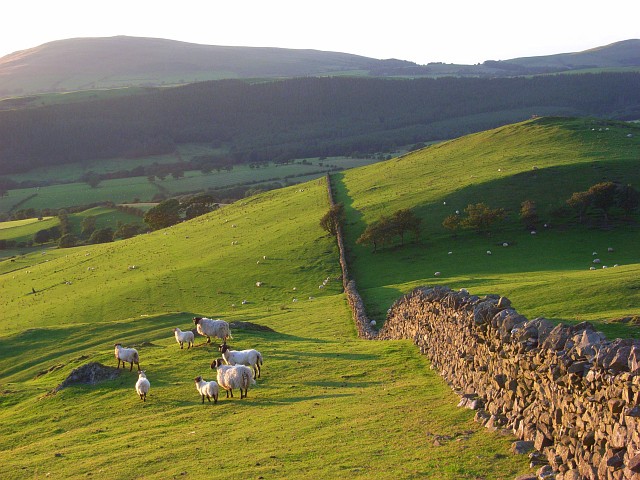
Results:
<point x="89" y="63"/>
<point x="108" y="62"/>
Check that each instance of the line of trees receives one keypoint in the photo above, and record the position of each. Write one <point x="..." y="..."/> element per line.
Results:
<point x="389" y="228"/>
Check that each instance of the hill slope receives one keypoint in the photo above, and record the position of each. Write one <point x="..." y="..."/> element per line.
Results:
<point x="321" y="388"/>
<point x="546" y="274"/>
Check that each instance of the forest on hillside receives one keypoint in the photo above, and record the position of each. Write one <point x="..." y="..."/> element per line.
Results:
<point x="298" y="118"/>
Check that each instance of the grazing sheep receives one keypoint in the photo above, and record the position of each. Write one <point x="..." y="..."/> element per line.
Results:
<point x="207" y="389"/>
<point x="184" y="337"/>
<point x="596" y="260"/>
<point x="610" y="249"/>
<point x="212" y="328"/>
<point x="142" y="385"/>
<point x="125" y="355"/>
<point x="437" y="274"/>
<point x="488" y="252"/>
<point x="251" y="358"/>
<point x="258" y="284"/>
<point x="505" y="244"/>
<point x="592" y="268"/>
<point x="533" y="232"/>
<point x="233" y="376"/>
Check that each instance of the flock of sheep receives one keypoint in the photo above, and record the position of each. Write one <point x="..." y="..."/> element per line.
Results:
<point x="237" y="369"/>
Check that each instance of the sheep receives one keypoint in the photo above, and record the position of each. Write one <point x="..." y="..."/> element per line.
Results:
<point x="184" y="337"/>
<point x="207" y="389"/>
<point x="258" y="284"/>
<point x="233" y="376"/>
<point x="610" y="249"/>
<point x="251" y="358"/>
<point x="596" y="260"/>
<point x="126" y="355"/>
<point x="436" y="274"/>
<point x="142" y="385"/>
<point x="488" y="252"/>
<point x="212" y="328"/>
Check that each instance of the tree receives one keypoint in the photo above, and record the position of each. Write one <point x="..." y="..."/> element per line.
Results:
<point x="579" y="201"/>
<point x="102" y="235"/>
<point x="377" y="233"/>
<point x="91" y="178"/>
<point x="163" y="215"/>
<point x="628" y="198"/>
<point x="68" y="240"/>
<point x="529" y="214"/>
<point x="333" y="219"/>
<point x="481" y="218"/>
<point x="403" y="221"/>
<point x="42" y="236"/>
<point x="452" y="222"/>
<point x="199" y="205"/>
<point x="88" y="226"/>
<point x="127" y="230"/>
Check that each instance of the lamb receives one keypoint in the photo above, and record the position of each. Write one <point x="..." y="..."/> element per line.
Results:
<point x="125" y="355"/>
<point x="184" y="337"/>
<point x="251" y="358"/>
<point x="207" y="389"/>
<point x="233" y="376"/>
<point x="142" y="385"/>
<point x="212" y="328"/>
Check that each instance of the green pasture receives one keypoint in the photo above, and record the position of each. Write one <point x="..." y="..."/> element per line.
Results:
<point x="546" y="274"/>
<point x="125" y="190"/>
<point x="328" y="403"/>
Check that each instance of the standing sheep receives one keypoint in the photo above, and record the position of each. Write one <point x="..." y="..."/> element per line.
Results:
<point x="251" y="358"/>
<point x="233" y="376"/>
<point x="207" y="389"/>
<point x="212" y="328"/>
<point x="142" y="385"/>
<point x="183" y="337"/>
<point x="125" y="355"/>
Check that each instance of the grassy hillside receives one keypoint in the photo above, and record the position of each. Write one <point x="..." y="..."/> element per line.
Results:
<point x="327" y="401"/>
<point x="546" y="274"/>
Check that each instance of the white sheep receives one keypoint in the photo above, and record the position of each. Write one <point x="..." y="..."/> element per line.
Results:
<point x="184" y="337"/>
<point x="596" y="260"/>
<point x="207" y="389"/>
<point x="251" y="358"/>
<point x="142" y="385"/>
<point x="610" y="249"/>
<point x="125" y="355"/>
<point x="488" y="252"/>
<point x="233" y="376"/>
<point x="212" y="328"/>
<point x="258" y="284"/>
<point x="436" y="274"/>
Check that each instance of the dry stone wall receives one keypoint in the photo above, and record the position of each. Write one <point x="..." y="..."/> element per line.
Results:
<point x="364" y="326"/>
<point x="566" y="389"/>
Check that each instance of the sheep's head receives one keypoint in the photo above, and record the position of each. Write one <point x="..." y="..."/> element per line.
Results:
<point x="142" y="374"/>
<point x="175" y="330"/>
<point x="224" y="347"/>
<point x="117" y="345"/>
<point x="216" y="363"/>
<point x="196" y="320"/>
<point x="197" y="379"/>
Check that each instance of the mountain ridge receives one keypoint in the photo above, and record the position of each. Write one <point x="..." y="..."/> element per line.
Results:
<point x="109" y="62"/>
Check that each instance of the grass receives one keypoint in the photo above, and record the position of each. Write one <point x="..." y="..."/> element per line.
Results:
<point x="328" y="402"/>
<point x="497" y="167"/>
<point x="125" y="190"/>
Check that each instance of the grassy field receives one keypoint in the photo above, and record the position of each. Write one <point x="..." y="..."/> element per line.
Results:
<point x="23" y="231"/>
<point x="127" y="189"/>
<point x="546" y="274"/>
<point x="328" y="403"/>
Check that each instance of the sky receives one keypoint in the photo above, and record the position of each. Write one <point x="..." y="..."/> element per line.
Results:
<point x="422" y="31"/>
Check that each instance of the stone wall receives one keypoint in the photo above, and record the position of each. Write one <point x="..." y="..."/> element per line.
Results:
<point x="364" y="326"/>
<point x="566" y="389"/>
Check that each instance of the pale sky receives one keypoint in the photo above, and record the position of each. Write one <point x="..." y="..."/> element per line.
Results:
<point x="422" y="31"/>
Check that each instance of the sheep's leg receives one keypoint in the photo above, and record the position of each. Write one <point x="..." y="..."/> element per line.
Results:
<point x="208" y="339"/>
<point x="203" y="398"/>
<point x="230" y="391"/>
<point x="215" y="399"/>
<point x="181" y="345"/>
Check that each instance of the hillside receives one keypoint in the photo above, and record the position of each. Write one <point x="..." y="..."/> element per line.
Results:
<point x="111" y="62"/>
<point x="546" y="274"/>
<point x="299" y="118"/>
<point x="80" y="64"/>
<point x="320" y="387"/>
